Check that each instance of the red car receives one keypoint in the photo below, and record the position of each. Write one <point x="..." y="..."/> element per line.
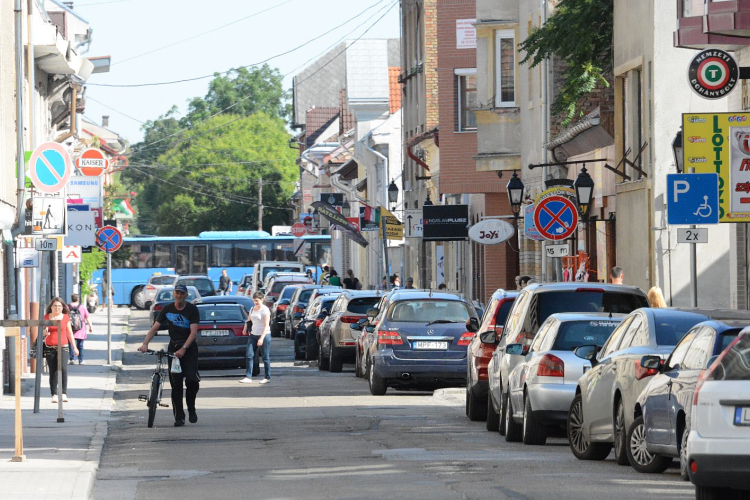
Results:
<point x="480" y="354"/>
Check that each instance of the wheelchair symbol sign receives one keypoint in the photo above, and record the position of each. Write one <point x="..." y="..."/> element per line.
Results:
<point x="692" y="199"/>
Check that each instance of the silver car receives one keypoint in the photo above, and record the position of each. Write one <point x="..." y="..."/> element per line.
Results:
<point x="544" y="384"/>
<point x="155" y="283"/>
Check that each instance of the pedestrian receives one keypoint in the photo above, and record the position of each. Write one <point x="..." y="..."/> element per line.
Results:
<point x="79" y="318"/>
<point x="524" y="281"/>
<point x="350" y="282"/>
<point x="656" y="297"/>
<point x="324" y="275"/>
<point x="334" y="278"/>
<point x="518" y="283"/>
<point x="410" y="283"/>
<point x="616" y="275"/>
<point x="259" y="319"/>
<point x="57" y="310"/>
<point x="182" y="318"/>
<point x="383" y="284"/>
<point x="442" y="286"/>
<point x="225" y="283"/>
<point x="310" y="275"/>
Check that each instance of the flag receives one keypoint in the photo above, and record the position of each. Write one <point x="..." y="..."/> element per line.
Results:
<point x="123" y="206"/>
<point x="369" y="218"/>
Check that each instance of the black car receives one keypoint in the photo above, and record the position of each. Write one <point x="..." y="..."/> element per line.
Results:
<point x="245" y="302"/>
<point x="221" y="342"/>
<point x="166" y="296"/>
<point x="305" y="338"/>
<point x="298" y="304"/>
<point x="202" y="282"/>
<point x="278" y="309"/>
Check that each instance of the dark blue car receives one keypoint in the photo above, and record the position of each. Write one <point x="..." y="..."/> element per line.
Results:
<point x="305" y="335"/>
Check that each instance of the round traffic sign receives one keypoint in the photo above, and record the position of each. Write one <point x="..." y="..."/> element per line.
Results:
<point x="713" y="73"/>
<point x="92" y="162"/>
<point x="299" y="229"/>
<point x="50" y="167"/>
<point x="556" y="217"/>
<point x="109" y="239"/>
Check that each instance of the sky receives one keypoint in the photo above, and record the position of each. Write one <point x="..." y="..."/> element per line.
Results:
<point x="153" y="41"/>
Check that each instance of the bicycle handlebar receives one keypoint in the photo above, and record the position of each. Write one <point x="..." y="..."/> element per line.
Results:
<point x="159" y="353"/>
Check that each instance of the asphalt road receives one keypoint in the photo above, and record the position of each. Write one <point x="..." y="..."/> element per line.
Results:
<point x="317" y="435"/>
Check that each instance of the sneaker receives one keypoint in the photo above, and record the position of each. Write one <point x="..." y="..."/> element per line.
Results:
<point x="179" y="422"/>
<point x="65" y="398"/>
<point x="81" y="362"/>
<point x="192" y="416"/>
<point x="72" y="361"/>
<point x="265" y="381"/>
<point x="54" y="399"/>
<point x="246" y="380"/>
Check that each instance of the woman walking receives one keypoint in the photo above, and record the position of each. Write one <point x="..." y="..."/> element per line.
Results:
<point x="260" y="338"/>
<point x="57" y="310"/>
<point x="79" y="318"/>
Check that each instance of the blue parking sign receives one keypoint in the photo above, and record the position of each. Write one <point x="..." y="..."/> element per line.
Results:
<point x="692" y="199"/>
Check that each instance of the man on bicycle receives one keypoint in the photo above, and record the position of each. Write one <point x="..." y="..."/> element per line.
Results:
<point x="182" y="320"/>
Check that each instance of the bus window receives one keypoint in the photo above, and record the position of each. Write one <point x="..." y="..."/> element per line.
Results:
<point x="221" y="255"/>
<point x="162" y="256"/>
<point x="200" y="260"/>
<point x="182" y="255"/>
<point x="140" y="256"/>
<point x="283" y="252"/>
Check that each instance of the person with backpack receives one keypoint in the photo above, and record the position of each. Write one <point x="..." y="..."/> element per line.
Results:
<point x="79" y="318"/>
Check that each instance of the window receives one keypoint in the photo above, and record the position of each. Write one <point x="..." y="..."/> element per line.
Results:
<point x="221" y="255"/>
<point x="675" y="359"/>
<point x="466" y="90"/>
<point x="635" y="325"/>
<point x="140" y="256"/>
<point x="505" y="69"/>
<point x="572" y="334"/>
<point x="614" y="340"/>
<point x="246" y="254"/>
<point x="162" y="256"/>
<point x="700" y="350"/>
<point x="693" y="8"/>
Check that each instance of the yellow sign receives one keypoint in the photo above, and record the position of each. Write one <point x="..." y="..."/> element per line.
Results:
<point x="720" y="143"/>
<point x="394" y="229"/>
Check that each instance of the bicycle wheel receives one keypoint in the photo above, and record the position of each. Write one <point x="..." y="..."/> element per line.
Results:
<point x="153" y="397"/>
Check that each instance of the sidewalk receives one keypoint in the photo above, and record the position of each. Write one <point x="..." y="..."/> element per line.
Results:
<point x="62" y="458"/>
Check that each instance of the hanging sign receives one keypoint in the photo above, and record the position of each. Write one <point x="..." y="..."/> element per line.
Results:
<point x="343" y="225"/>
<point x="394" y="230"/>
<point x="529" y="229"/>
<point x="445" y="222"/>
<point x="50" y="167"/>
<point x="491" y="231"/>
<point x="556" y="214"/>
<point x="713" y="73"/>
<point x="92" y="162"/>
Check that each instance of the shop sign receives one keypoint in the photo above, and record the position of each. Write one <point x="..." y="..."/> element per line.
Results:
<point x="445" y="222"/>
<point x="491" y="231"/>
<point x="713" y="73"/>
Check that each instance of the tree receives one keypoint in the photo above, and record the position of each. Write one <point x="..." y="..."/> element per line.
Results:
<point x="580" y="32"/>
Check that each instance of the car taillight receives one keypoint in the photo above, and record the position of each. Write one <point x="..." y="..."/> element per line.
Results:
<point x="150" y="287"/>
<point x="389" y="338"/>
<point x="318" y="321"/>
<point x="465" y="338"/>
<point x="707" y="373"/>
<point x="641" y="372"/>
<point x="346" y="342"/>
<point x="350" y="319"/>
<point x="281" y="307"/>
<point x="551" y="366"/>
<point x="592" y="290"/>
<point x="298" y="309"/>
<point x="157" y="307"/>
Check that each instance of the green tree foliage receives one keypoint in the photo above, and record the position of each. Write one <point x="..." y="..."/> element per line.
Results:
<point x="90" y="262"/>
<point x="580" y="32"/>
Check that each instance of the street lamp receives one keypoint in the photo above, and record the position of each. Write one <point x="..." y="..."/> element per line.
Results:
<point x="677" y="150"/>
<point x="515" y="194"/>
<point x="584" y="186"/>
<point x="428" y="201"/>
<point x="345" y="206"/>
<point x="393" y="192"/>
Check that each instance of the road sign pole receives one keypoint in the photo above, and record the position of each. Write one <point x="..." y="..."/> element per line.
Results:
<point x="109" y="308"/>
<point x="40" y="330"/>
<point x="693" y="268"/>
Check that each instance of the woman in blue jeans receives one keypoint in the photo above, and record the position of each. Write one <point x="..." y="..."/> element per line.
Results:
<point x="260" y="338"/>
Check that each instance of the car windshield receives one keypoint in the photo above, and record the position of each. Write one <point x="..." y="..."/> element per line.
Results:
<point x="735" y="365"/>
<point x="202" y="284"/>
<point x="572" y="334"/>
<point x="588" y="301"/>
<point x="222" y="314"/>
<point x="290" y="269"/>
<point x="670" y="330"/>
<point x="168" y="295"/>
<point x="362" y="304"/>
<point x="425" y="311"/>
<point x="162" y="280"/>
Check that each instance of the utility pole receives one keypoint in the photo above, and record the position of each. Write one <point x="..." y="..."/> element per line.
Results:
<point x="260" y="204"/>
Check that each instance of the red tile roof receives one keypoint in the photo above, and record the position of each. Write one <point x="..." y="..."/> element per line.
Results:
<point x="318" y="119"/>
<point x="395" y="88"/>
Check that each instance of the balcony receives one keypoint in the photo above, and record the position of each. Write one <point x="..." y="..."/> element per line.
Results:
<point x="716" y="24"/>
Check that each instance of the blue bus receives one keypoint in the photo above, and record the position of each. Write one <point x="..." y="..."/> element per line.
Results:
<point x="207" y="254"/>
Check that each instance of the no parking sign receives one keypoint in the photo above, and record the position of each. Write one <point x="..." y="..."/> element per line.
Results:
<point x="50" y="167"/>
<point x="556" y="214"/>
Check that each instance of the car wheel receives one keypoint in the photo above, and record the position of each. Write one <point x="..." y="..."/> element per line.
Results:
<point x="335" y="362"/>
<point x="357" y="361"/>
<point x="322" y="360"/>
<point x="287" y="332"/>
<point x="493" y="419"/>
<point x="710" y="493"/>
<point x="639" y="457"/>
<point x="366" y="369"/>
<point x="501" y="430"/>
<point x="512" y="428"/>
<point x="378" y="385"/>
<point x="311" y="352"/>
<point x="138" y="298"/>
<point x="477" y="407"/>
<point x="621" y="456"/>
<point x="533" y="432"/>
<point x="581" y="447"/>
<point x="274" y="332"/>
<point x="683" y="454"/>
<point x="298" y="354"/>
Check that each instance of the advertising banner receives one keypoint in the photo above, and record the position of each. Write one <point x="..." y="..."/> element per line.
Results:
<point x="720" y="143"/>
<point x="337" y="219"/>
<point x="394" y="230"/>
<point x="445" y="222"/>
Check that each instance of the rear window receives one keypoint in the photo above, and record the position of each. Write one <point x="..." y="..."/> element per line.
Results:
<point x="304" y="295"/>
<point x="735" y="365"/>
<point x="204" y="285"/>
<point x="221" y="314"/>
<point x="289" y="269"/>
<point x="670" y="332"/>
<point x="279" y="286"/>
<point x="725" y="339"/>
<point x="168" y="295"/>
<point x="572" y="334"/>
<point x="162" y="280"/>
<point x="361" y="305"/>
<point x="288" y="292"/>
<point x="585" y="301"/>
<point x="424" y="311"/>
<point x="502" y="312"/>
<point x="246" y="281"/>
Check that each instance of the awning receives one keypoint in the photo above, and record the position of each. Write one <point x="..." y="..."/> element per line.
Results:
<point x="349" y="171"/>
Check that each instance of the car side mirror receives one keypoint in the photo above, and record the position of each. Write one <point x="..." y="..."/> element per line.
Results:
<point x="298" y="316"/>
<point x="372" y="312"/>
<point x="587" y="352"/>
<point x="356" y="326"/>
<point x="517" y="349"/>
<point x="370" y="328"/>
<point x="488" y="337"/>
<point x="472" y="325"/>
<point x="651" y="362"/>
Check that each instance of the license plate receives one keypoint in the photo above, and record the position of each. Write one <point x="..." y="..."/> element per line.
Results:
<point x="430" y="345"/>
<point x="742" y="415"/>
<point x="215" y="333"/>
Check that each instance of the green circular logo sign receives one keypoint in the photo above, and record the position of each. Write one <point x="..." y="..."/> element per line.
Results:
<point x="713" y="74"/>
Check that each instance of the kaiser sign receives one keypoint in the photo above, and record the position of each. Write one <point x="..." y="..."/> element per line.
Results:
<point x="491" y="232"/>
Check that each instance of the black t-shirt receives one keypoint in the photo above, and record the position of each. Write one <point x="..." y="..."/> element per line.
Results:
<point x="178" y="322"/>
<point x="224" y="283"/>
<point x="349" y="283"/>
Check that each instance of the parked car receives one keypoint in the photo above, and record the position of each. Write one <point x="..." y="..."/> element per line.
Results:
<point x="533" y="305"/>
<point x="718" y="446"/>
<point x="203" y="283"/>
<point x="273" y="275"/>
<point x="277" y="284"/>
<point x="306" y="333"/>
<point x="665" y="405"/>
<point x="220" y="340"/>
<point x="155" y="283"/>
<point x="166" y="296"/>
<point x="244" y="284"/>
<point x="479" y="355"/>
<point x="263" y="267"/>
<point x="279" y="308"/>
<point x="298" y="304"/>
<point x="603" y="408"/>
<point x="245" y="302"/>
<point x="337" y="344"/>
<point x="543" y="385"/>
<point x="421" y="341"/>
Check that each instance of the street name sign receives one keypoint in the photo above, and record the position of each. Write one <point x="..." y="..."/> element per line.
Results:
<point x="50" y="167"/>
<point x="692" y="199"/>
<point x="692" y="235"/>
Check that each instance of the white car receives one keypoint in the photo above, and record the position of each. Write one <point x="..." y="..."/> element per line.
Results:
<point x="155" y="283"/>
<point x="718" y="446"/>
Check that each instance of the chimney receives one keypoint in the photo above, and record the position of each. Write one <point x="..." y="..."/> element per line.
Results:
<point x="105" y="121"/>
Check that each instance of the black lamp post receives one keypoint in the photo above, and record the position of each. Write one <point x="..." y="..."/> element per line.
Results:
<point x="677" y="150"/>
<point x="393" y="192"/>
<point x="515" y="194"/>
<point x="345" y="206"/>
<point x="584" y="186"/>
<point x="428" y="201"/>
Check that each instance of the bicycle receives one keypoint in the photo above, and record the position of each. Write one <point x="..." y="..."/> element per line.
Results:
<point x="153" y="398"/>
